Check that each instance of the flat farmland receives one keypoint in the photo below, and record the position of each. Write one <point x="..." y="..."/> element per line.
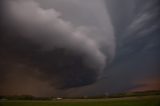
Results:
<point x="129" y="101"/>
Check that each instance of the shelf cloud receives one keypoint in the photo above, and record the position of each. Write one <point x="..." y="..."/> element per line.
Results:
<point x="51" y="48"/>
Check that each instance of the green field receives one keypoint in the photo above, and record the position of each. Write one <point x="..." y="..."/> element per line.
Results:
<point x="134" y="101"/>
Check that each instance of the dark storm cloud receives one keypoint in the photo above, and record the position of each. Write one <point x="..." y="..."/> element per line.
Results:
<point x="62" y="47"/>
<point x="65" y="66"/>
<point x="38" y="45"/>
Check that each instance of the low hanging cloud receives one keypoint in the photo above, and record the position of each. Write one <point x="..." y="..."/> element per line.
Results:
<point x="47" y="28"/>
<point x="52" y="49"/>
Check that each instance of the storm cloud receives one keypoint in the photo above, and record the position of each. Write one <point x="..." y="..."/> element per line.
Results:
<point x="78" y="47"/>
<point x="38" y="44"/>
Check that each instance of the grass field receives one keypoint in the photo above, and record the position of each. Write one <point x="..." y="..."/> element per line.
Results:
<point x="134" y="101"/>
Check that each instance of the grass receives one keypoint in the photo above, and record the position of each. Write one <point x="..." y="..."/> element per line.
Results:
<point x="134" y="101"/>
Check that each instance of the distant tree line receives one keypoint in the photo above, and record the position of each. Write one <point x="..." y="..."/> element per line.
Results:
<point x="130" y="94"/>
<point x="23" y="97"/>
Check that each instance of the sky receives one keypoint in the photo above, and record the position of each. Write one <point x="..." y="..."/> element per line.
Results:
<point x="79" y="47"/>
